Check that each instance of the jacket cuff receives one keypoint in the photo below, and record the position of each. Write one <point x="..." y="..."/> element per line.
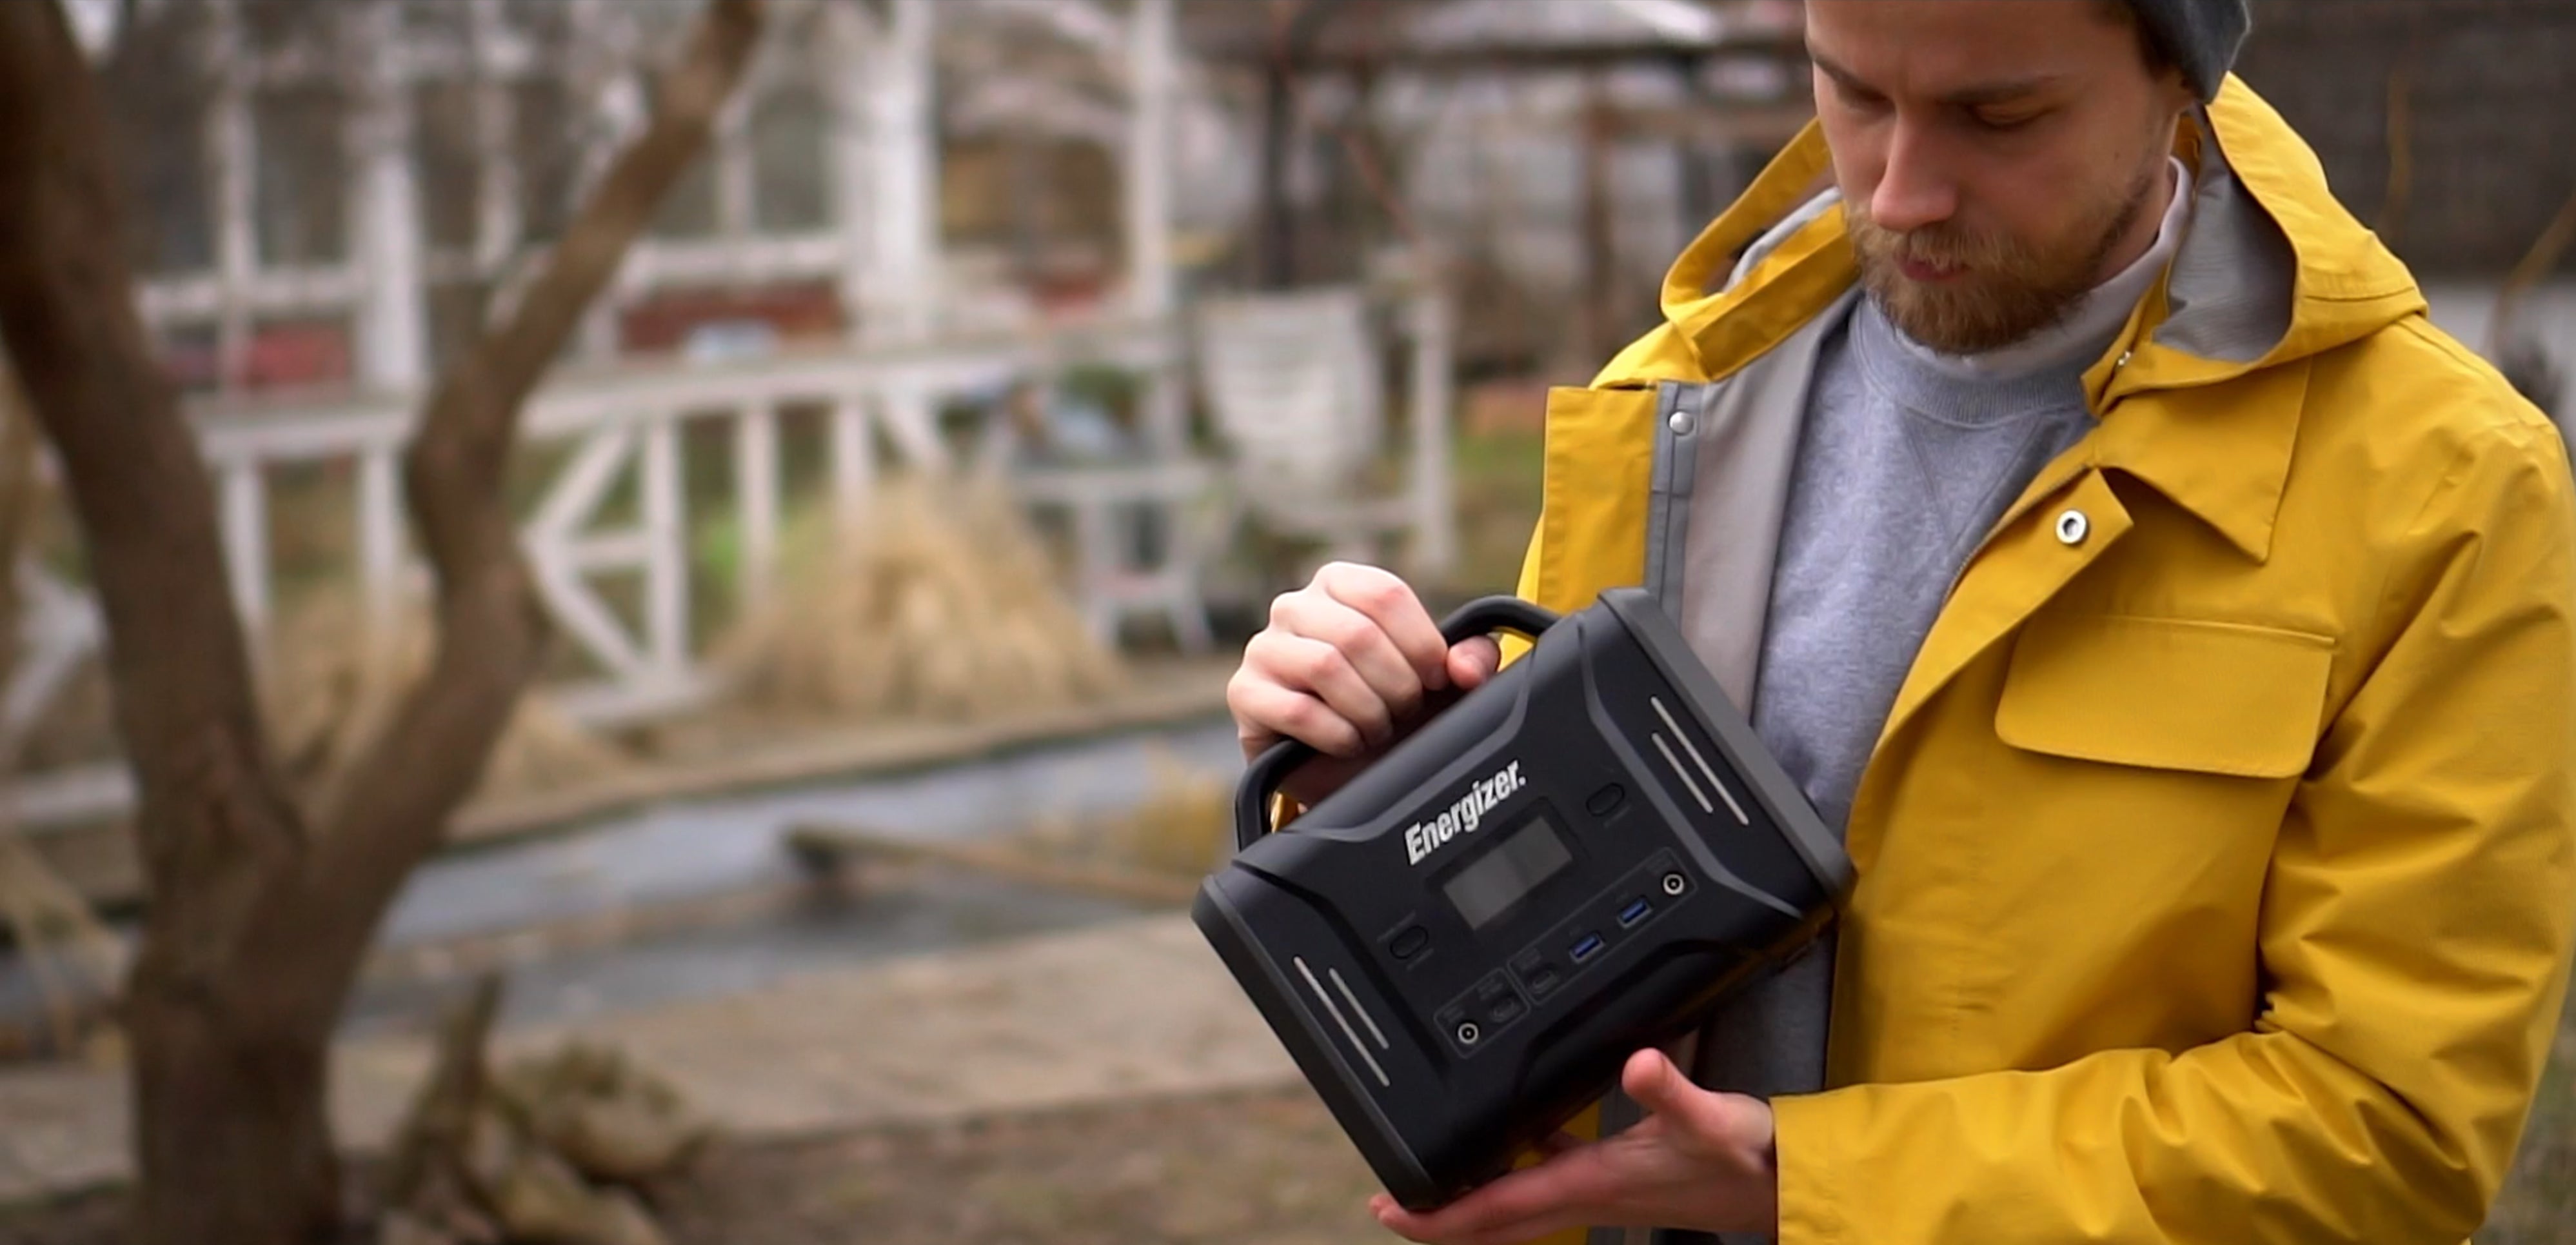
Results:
<point x="1810" y="1204"/>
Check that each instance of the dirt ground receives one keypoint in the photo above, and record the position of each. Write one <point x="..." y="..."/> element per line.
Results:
<point x="1245" y="1169"/>
<point x="1251" y="1169"/>
<point x="1268" y="1169"/>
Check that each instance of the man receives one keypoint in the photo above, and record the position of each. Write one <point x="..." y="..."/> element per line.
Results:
<point x="2180" y="629"/>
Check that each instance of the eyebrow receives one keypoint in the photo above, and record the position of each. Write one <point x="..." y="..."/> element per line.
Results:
<point x="1965" y="97"/>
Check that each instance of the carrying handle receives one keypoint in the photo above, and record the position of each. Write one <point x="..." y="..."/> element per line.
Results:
<point x="1261" y="779"/>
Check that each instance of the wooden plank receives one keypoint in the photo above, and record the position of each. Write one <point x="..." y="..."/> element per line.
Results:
<point x="756" y="499"/>
<point x="854" y="459"/>
<point x="666" y="565"/>
<point x="245" y="533"/>
<point x="380" y="538"/>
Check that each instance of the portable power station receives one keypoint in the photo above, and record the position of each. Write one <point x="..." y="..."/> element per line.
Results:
<point x="1462" y="946"/>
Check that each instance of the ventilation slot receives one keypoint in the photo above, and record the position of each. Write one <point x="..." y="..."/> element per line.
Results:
<point x="1705" y="769"/>
<point x="1335" y="1010"/>
<point x="1379" y="1035"/>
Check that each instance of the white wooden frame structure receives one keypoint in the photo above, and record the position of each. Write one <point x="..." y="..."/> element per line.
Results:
<point x="884" y="385"/>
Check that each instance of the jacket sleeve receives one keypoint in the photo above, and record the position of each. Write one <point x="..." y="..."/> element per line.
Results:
<point x="2414" y="944"/>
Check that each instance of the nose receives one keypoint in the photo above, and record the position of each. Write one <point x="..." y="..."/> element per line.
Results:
<point x="1913" y="189"/>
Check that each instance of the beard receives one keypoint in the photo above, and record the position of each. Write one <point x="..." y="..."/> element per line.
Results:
<point x="2004" y="289"/>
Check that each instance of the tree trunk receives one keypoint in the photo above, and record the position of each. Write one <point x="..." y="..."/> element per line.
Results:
<point x="256" y="927"/>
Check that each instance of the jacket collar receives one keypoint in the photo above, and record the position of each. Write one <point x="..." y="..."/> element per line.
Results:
<point x="2201" y="395"/>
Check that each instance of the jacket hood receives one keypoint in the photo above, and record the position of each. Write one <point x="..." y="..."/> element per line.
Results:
<point x="2272" y="270"/>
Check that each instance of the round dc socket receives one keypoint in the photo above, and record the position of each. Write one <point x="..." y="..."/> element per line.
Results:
<point x="1673" y="883"/>
<point x="1468" y="1033"/>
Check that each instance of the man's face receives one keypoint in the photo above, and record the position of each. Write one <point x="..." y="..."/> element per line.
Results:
<point x="1997" y="158"/>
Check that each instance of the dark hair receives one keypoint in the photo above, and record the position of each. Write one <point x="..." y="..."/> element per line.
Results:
<point x="2125" y="12"/>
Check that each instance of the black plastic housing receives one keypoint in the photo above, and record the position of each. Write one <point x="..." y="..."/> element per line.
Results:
<point x="1447" y="1038"/>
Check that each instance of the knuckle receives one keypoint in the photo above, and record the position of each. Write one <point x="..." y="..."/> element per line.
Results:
<point x="1321" y="728"/>
<point x="1318" y="663"/>
<point x="1350" y="632"/>
<point x="1383" y="594"/>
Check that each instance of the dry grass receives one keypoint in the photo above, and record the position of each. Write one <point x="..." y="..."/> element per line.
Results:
<point x="1180" y="829"/>
<point x="331" y="683"/>
<point x="940" y="604"/>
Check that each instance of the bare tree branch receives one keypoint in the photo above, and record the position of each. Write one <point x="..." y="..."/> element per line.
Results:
<point x="254" y="932"/>
<point x="491" y="628"/>
<point x="135" y="477"/>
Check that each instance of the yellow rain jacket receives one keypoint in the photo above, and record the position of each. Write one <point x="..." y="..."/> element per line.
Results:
<point x="2217" y="875"/>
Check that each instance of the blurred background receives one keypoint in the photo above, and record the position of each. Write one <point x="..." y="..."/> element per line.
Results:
<point x="900" y="507"/>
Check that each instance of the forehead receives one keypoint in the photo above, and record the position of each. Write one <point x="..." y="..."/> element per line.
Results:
<point x="1945" y="47"/>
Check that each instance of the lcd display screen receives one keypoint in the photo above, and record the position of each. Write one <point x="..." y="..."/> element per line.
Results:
<point x="1530" y="853"/>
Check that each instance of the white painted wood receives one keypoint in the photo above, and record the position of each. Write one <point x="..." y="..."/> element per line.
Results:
<point x="909" y="412"/>
<point x="1104" y="504"/>
<point x="58" y="630"/>
<point x="903" y="295"/>
<point x="39" y="803"/>
<point x="380" y="537"/>
<point x="851" y="151"/>
<point x="1430" y="404"/>
<point x="1153" y="70"/>
<point x="756" y="500"/>
<point x="392" y="323"/>
<point x="245" y="539"/>
<point x="554" y="541"/>
<point x="231" y="155"/>
<point x="854" y="460"/>
<point x="666" y="551"/>
<point x="584" y="484"/>
<point x="610" y="551"/>
<point x="497" y="224"/>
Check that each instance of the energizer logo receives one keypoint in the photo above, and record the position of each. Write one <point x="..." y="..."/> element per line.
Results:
<point x="1425" y="837"/>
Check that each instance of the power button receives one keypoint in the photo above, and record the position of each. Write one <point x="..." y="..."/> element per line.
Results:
<point x="1605" y="801"/>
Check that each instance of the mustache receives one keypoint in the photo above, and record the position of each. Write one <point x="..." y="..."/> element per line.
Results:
<point x="1942" y="245"/>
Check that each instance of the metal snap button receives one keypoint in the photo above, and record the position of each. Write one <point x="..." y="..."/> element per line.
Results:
<point x="2071" y="527"/>
<point x="1680" y="423"/>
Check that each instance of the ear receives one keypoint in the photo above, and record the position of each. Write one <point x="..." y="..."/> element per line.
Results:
<point x="2174" y="94"/>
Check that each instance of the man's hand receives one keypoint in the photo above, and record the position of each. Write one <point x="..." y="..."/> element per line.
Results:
<point x="1348" y="664"/>
<point x="1700" y="1160"/>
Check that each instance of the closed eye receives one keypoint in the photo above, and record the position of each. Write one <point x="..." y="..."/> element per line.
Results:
<point x="2003" y="122"/>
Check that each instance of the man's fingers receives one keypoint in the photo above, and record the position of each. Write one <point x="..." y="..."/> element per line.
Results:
<point x="1515" y="1232"/>
<point x="1398" y="612"/>
<point x="1317" y="667"/>
<point x="1272" y="697"/>
<point x="1708" y="1119"/>
<point x="1474" y="660"/>
<point x="1366" y="645"/>
<point x="1567" y="1190"/>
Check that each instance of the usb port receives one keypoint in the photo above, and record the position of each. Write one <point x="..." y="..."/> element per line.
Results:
<point x="1585" y="947"/>
<point x="1635" y="911"/>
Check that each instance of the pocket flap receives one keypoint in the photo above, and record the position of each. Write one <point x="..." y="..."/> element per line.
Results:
<point x="2217" y="698"/>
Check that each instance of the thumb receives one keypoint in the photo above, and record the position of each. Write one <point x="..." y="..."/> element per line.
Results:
<point x="1715" y="1119"/>
<point x="1474" y="660"/>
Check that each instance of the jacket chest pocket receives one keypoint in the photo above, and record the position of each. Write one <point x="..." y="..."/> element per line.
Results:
<point x="2171" y="695"/>
<point x="2146" y="769"/>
